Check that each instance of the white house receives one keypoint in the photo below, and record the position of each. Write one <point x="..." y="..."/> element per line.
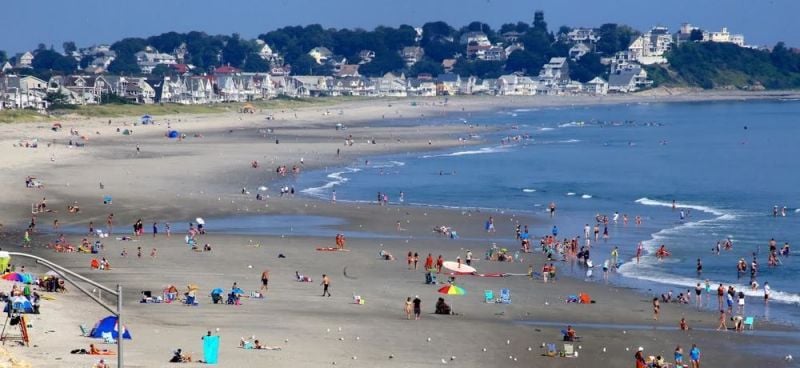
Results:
<point x="554" y="72"/>
<point x="478" y="38"/>
<point x="596" y="86"/>
<point x="25" y="60"/>
<point x="627" y="78"/>
<point x="516" y="85"/>
<point x="582" y="35"/>
<point x="724" y="37"/>
<point x="577" y="51"/>
<point x="150" y="58"/>
<point x="320" y="54"/>
<point x="412" y="54"/>
<point x="650" y="47"/>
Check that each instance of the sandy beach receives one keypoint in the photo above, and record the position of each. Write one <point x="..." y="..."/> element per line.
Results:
<point x="157" y="179"/>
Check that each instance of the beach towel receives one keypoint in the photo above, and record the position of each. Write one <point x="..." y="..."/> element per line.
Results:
<point x="211" y="349"/>
<point x="331" y="249"/>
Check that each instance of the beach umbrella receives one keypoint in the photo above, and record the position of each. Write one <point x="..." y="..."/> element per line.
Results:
<point x="452" y="290"/>
<point x="262" y="188"/>
<point x="217" y="291"/>
<point x="19" y="277"/>
<point x="52" y="273"/>
<point x="200" y="221"/>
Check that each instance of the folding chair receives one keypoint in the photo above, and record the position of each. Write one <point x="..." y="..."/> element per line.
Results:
<point x="488" y="296"/>
<point x="569" y="350"/>
<point x="749" y="322"/>
<point x="85" y="332"/>
<point x="505" y="296"/>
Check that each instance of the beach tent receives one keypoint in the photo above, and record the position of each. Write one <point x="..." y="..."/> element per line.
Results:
<point x="248" y="108"/>
<point x="126" y="132"/>
<point x="21" y="305"/>
<point x="146" y="119"/>
<point x="584" y="298"/>
<point x="108" y="325"/>
<point x="173" y="134"/>
<point x="211" y="349"/>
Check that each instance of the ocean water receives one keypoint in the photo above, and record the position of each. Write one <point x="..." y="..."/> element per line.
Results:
<point x="726" y="164"/>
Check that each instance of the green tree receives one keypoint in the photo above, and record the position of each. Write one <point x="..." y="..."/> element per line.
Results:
<point x="69" y="47"/>
<point x="161" y="70"/>
<point x="614" y="38"/>
<point x="696" y="35"/>
<point x="124" y="64"/>
<point x="129" y="46"/>
<point x="166" y="42"/>
<point x="85" y="61"/>
<point x="235" y="51"/>
<point x="255" y="64"/>
<point x="538" y="21"/>
<point x="385" y="61"/>
<point x="3" y="56"/>
<point x="53" y="61"/>
<point x="588" y="67"/>
<point x="426" y="66"/>
<point x="525" y="61"/>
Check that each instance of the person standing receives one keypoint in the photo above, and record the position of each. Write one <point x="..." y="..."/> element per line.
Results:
<point x="416" y="260"/>
<point x="417" y="307"/>
<point x="110" y="222"/>
<point x="155" y="229"/>
<point x="408" y="308"/>
<point x="167" y="229"/>
<point x="656" y="308"/>
<point x="264" y="281"/>
<point x="694" y="355"/>
<point x="326" y="283"/>
<point x="469" y="257"/>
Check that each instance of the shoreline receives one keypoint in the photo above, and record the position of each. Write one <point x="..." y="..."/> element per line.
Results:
<point x="296" y="313"/>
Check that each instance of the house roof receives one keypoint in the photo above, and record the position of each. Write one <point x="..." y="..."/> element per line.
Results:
<point x="348" y="70"/>
<point x="447" y="77"/>
<point x="623" y="77"/>
<point x="226" y="69"/>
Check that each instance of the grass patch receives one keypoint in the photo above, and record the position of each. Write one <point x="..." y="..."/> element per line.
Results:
<point x="24" y="115"/>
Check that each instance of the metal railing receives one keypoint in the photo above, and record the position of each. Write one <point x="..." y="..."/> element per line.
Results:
<point x="63" y="272"/>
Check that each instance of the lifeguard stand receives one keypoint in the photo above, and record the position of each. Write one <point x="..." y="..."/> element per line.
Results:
<point x="15" y="327"/>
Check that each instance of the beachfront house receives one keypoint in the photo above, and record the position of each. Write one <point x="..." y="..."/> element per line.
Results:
<point x="422" y="86"/>
<point x="390" y="85"/>
<point x="309" y="85"/>
<point x="724" y="37"/>
<point x="448" y="84"/>
<point x="596" y="86"/>
<point x="516" y="85"/>
<point x="582" y="35"/>
<point x="628" y="78"/>
<point x="23" y="92"/>
<point x="87" y="89"/>
<point x="554" y="73"/>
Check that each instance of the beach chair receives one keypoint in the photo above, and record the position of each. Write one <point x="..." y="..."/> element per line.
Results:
<point x="569" y="350"/>
<point x="505" y="296"/>
<point x="108" y="338"/>
<point x="85" y="332"/>
<point x="551" y="350"/>
<point x="488" y="296"/>
<point x="749" y="322"/>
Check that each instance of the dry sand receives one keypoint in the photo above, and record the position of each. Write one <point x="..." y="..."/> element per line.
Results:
<point x="178" y="181"/>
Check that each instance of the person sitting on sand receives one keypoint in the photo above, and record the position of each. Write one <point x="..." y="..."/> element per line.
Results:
<point x="301" y="278"/>
<point x="179" y="357"/>
<point x="101" y="364"/>
<point x="442" y="307"/>
<point x="570" y="334"/>
<point x="683" y="325"/>
<point x="386" y="256"/>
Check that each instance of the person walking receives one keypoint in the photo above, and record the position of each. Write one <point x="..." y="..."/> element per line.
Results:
<point x="417" y="307"/>
<point x="694" y="355"/>
<point x="326" y="284"/>
<point x="408" y="308"/>
<point x="264" y="281"/>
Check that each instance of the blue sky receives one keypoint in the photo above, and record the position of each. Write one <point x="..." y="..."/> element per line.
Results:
<point x="27" y="23"/>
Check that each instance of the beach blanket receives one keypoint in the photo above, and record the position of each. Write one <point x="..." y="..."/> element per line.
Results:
<point x="494" y="274"/>
<point x="331" y="249"/>
<point x="211" y="349"/>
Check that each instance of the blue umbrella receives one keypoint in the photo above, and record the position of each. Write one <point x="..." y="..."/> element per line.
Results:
<point x="217" y="291"/>
<point x="237" y="291"/>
